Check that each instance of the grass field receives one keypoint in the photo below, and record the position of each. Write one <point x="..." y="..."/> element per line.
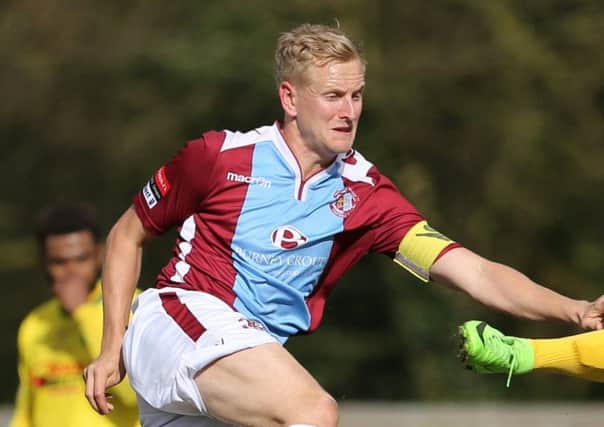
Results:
<point x="491" y="414"/>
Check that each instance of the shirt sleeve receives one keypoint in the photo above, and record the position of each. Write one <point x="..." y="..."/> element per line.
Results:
<point x="22" y="413"/>
<point x="393" y="216"/>
<point x="404" y="234"/>
<point x="177" y="189"/>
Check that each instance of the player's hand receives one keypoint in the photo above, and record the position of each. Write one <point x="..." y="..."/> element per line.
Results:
<point x="106" y="371"/>
<point x="593" y="316"/>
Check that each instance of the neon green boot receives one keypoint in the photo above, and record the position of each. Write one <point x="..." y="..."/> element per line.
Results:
<point x="485" y="350"/>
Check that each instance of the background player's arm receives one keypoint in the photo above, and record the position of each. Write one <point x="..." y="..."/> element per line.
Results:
<point x="506" y="289"/>
<point x="22" y="413"/>
<point x="121" y="272"/>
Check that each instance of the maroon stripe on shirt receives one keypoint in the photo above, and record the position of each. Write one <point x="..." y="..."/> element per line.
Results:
<point x="182" y="315"/>
<point x="199" y="179"/>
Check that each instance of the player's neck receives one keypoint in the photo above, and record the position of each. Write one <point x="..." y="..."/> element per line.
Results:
<point x="309" y="160"/>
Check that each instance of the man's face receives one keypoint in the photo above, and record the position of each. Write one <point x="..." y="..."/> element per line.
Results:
<point x="72" y="261"/>
<point x="328" y="106"/>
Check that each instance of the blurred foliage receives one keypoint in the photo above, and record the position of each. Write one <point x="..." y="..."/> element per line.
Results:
<point x="488" y="115"/>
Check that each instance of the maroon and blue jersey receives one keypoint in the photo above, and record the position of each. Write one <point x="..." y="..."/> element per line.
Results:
<point x="256" y="234"/>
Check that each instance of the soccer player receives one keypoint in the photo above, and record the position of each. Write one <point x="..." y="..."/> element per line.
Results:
<point x="60" y="337"/>
<point x="269" y="220"/>
<point x="486" y="350"/>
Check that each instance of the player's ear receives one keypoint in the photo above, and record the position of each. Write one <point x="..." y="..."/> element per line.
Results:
<point x="287" y="96"/>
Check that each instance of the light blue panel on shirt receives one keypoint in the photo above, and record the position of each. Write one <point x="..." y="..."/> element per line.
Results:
<point x="272" y="281"/>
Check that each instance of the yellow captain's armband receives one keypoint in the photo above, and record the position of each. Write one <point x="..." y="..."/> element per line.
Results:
<point x="419" y="248"/>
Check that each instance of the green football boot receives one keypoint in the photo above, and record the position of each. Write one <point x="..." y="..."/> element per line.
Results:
<point x="485" y="350"/>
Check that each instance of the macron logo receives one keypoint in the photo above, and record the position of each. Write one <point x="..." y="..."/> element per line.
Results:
<point x="258" y="180"/>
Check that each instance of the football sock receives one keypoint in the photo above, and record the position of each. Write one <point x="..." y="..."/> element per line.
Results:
<point x="578" y="355"/>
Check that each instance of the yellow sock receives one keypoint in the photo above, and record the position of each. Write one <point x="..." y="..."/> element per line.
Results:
<point x="578" y="355"/>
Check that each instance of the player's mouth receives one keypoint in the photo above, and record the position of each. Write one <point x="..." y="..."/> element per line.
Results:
<point x="343" y="129"/>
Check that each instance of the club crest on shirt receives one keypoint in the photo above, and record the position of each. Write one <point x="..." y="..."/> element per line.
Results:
<point x="345" y="201"/>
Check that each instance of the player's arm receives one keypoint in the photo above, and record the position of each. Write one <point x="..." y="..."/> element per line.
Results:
<point x="89" y="317"/>
<point x="22" y="413"/>
<point x="504" y="288"/>
<point x="121" y="272"/>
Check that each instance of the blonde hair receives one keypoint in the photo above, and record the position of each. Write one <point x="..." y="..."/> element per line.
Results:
<point x="311" y="44"/>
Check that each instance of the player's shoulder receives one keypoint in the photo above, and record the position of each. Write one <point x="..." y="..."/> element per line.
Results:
<point x="356" y="169"/>
<point x="364" y="179"/>
<point x="237" y="139"/>
<point x="41" y="316"/>
<point x="48" y="309"/>
<point x="219" y="141"/>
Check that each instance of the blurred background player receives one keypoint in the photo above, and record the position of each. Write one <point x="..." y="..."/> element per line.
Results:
<point x="58" y="338"/>
<point x="488" y="351"/>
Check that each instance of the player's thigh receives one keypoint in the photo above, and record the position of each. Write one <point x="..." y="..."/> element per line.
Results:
<point x="263" y="385"/>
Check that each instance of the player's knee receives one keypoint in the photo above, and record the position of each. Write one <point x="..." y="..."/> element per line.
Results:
<point x="331" y="410"/>
<point x="316" y="410"/>
<point x="326" y="410"/>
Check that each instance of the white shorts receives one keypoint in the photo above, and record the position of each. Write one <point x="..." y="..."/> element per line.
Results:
<point x="151" y="417"/>
<point x="173" y="334"/>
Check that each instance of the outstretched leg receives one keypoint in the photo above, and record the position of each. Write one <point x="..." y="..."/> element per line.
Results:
<point x="487" y="350"/>
<point x="577" y="355"/>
